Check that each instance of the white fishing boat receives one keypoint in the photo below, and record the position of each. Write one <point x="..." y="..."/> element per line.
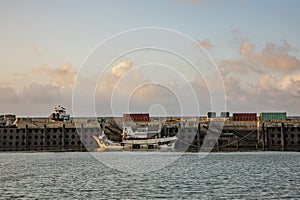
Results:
<point x="141" y="138"/>
<point x="144" y="137"/>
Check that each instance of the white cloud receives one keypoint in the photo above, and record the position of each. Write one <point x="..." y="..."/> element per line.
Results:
<point x="291" y="83"/>
<point x="121" y="68"/>
<point x="267" y="94"/>
<point x="273" y="71"/>
<point x="125" y="84"/>
<point x="63" y="76"/>
<point x="121" y="78"/>
<point x="272" y="58"/>
<point x="266" y="82"/>
<point x="262" y="80"/>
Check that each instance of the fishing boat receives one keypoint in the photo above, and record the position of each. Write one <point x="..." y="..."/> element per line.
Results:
<point x="104" y="144"/>
<point x="59" y="114"/>
<point x="141" y="138"/>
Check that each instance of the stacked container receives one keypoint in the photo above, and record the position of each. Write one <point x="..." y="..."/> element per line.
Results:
<point x="244" y="117"/>
<point x="210" y="115"/>
<point x="224" y="114"/>
<point x="136" y="117"/>
<point x="272" y="116"/>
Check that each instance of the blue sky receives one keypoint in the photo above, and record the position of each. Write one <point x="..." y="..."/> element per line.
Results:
<point x="61" y="34"/>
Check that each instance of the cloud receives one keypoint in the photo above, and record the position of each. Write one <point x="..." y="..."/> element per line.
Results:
<point x="273" y="57"/>
<point x="127" y="86"/>
<point x="36" y="92"/>
<point x="8" y="96"/>
<point x="40" y="99"/>
<point x="236" y="67"/>
<point x="265" y="80"/>
<point x="205" y="44"/>
<point x="121" y="78"/>
<point x="121" y="68"/>
<point x="278" y="58"/>
<point x="246" y="49"/>
<point x="41" y="93"/>
<point x="291" y="83"/>
<point x="268" y="93"/>
<point x="64" y="75"/>
<point x="116" y="83"/>
<point x="273" y="72"/>
<point x="148" y="91"/>
<point x="151" y="94"/>
<point x="36" y="99"/>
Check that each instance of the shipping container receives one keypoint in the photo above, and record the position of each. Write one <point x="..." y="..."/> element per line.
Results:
<point x="224" y="114"/>
<point x="136" y="117"/>
<point x="211" y="115"/>
<point x="244" y="117"/>
<point x="293" y="118"/>
<point x="272" y="116"/>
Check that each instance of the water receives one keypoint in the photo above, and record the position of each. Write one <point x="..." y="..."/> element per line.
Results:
<point x="219" y="175"/>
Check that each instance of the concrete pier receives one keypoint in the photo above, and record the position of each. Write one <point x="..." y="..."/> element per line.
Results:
<point x="234" y="135"/>
<point x="45" y="138"/>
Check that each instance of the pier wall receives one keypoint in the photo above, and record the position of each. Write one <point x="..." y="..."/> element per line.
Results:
<point x="52" y="139"/>
<point x="235" y="136"/>
<point x="241" y="136"/>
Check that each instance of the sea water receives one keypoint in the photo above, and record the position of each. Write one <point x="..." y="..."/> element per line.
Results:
<point x="77" y="175"/>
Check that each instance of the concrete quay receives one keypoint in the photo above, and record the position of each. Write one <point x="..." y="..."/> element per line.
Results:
<point x="197" y="135"/>
<point x="243" y="136"/>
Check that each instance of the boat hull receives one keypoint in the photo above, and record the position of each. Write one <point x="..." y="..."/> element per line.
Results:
<point x="139" y="144"/>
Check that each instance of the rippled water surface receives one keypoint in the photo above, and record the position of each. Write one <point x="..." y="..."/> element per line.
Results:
<point x="218" y="175"/>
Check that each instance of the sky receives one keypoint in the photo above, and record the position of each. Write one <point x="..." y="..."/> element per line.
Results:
<point x="170" y="57"/>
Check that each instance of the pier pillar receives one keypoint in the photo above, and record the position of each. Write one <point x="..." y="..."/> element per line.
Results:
<point x="198" y="135"/>
<point x="265" y="132"/>
<point x="63" y="137"/>
<point x="263" y="136"/>
<point x="282" y="136"/>
<point x="81" y="136"/>
<point x="26" y="137"/>
<point x="259" y="139"/>
<point x="45" y="136"/>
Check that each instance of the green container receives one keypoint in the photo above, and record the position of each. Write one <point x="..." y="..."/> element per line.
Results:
<point x="272" y="116"/>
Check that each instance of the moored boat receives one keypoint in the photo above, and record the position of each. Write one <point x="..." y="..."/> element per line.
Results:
<point x="141" y="138"/>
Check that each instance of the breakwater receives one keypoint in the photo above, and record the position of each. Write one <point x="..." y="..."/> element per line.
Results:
<point x="41" y="135"/>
